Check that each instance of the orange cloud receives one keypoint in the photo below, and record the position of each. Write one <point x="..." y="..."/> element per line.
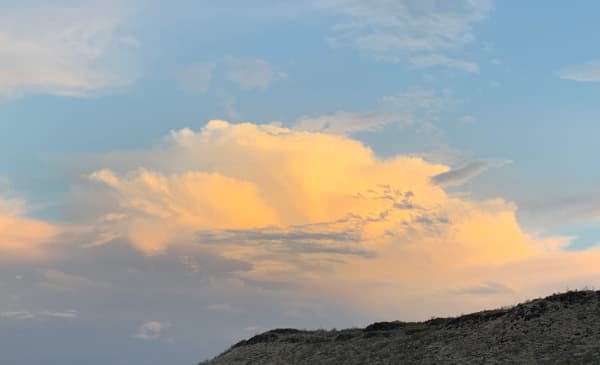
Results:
<point x="22" y="238"/>
<point x="297" y="204"/>
<point x="247" y="176"/>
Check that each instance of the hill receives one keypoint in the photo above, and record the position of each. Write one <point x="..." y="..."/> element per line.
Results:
<point x="560" y="329"/>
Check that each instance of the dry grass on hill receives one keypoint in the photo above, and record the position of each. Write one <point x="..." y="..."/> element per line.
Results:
<point x="560" y="329"/>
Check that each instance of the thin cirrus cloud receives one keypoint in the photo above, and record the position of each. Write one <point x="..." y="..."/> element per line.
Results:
<point x="73" y="49"/>
<point x="588" y="72"/>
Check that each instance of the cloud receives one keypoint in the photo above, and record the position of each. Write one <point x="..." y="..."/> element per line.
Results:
<point x="409" y="107"/>
<point x="22" y="238"/>
<point x="467" y="119"/>
<point x="242" y="179"/>
<point x="12" y="206"/>
<point x="195" y="78"/>
<point x="289" y="182"/>
<point x="18" y="315"/>
<point x="389" y="28"/>
<point x="252" y="74"/>
<point x="349" y="122"/>
<point x="64" y="48"/>
<point x="228" y="103"/>
<point x="59" y="281"/>
<point x="562" y="209"/>
<point x="223" y="307"/>
<point x="28" y="315"/>
<point x="230" y="222"/>
<point x="425" y="61"/>
<point x="150" y="331"/>
<point x="461" y="175"/>
<point x="588" y="72"/>
<point x="487" y="288"/>
<point x="418" y="100"/>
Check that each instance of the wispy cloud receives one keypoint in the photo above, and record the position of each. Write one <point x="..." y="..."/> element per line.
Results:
<point x="349" y="122"/>
<point x="588" y="72"/>
<point x="487" y="288"/>
<point x="28" y="315"/>
<point x="196" y="77"/>
<point x="408" y="107"/>
<point x="389" y="28"/>
<point x="23" y="238"/>
<point x="418" y="100"/>
<point x="252" y="74"/>
<point x="64" y="48"/>
<point x="460" y="175"/>
<point x="562" y="209"/>
<point x="430" y="60"/>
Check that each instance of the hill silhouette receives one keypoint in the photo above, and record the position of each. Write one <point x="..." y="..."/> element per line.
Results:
<point x="559" y="329"/>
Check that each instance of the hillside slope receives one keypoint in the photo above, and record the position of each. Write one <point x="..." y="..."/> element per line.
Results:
<point x="560" y="329"/>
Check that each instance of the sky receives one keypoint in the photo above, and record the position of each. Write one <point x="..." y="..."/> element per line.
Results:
<point x="177" y="176"/>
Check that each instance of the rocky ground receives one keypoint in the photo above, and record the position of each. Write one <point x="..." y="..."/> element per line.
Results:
<point x="560" y="329"/>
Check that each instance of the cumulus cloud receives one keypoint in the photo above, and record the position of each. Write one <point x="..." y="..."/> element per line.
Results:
<point x="391" y="28"/>
<point x="252" y="74"/>
<point x="150" y="331"/>
<point x="63" y="48"/>
<point x="321" y="216"/>
<point x="588" y="72"/>
<point x="250" y="185"/>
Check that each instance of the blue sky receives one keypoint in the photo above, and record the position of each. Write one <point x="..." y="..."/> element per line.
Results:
<point x="101" y="102"/>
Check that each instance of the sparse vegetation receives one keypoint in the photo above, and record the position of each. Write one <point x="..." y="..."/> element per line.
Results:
<point x="560" y="329"/>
